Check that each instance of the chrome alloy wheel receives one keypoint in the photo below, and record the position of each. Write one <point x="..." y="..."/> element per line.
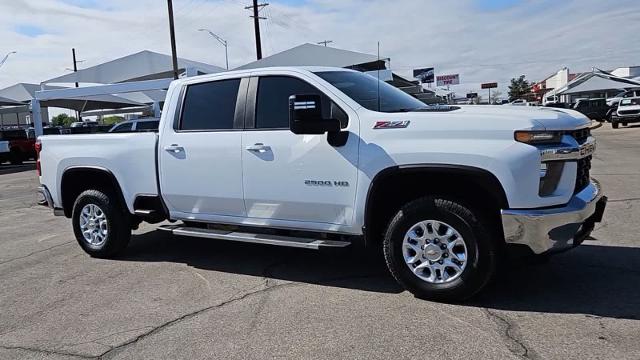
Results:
<point x="434" y="251"/>
<point x="93" y="224"/>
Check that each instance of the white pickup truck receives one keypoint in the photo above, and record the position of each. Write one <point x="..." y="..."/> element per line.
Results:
<point x="328" y="157"/>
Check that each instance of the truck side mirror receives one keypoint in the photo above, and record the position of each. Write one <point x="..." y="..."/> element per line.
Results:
<point x="305" y="116"/>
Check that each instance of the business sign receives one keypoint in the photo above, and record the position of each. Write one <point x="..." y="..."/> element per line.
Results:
<point x="472" y="95"/>
<point x="444" y="80"/>
<point x="489" y="85"/>
<point x="425" y="75"/>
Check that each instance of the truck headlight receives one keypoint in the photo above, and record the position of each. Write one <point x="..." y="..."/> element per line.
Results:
<point x="538" y="137"/>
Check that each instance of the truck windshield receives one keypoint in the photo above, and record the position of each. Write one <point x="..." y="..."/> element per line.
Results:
<point x="629" y="102"/>
<point x="371" y="93"/>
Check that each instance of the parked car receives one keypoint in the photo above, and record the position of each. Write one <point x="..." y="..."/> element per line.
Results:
<point x="613" y="101"/>
<point x="138" y="125"/>
<point x="328" y="158"/>
<point x="628" y="112"/>
<point x="21" y="147"/>
<point x="4" y="151"/>
<point x="84" y="124"/>
<point x="594" y="109"/>
<point x="559" y="105"/>
<point x="518" y="102"/>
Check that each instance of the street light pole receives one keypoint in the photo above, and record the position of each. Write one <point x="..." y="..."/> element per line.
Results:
<point x="4" y="59"/>
<point x="221" y="41"/>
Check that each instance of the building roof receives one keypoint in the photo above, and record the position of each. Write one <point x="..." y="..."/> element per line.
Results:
<point x="143" y="65"/>
<point x="314" y="55"/>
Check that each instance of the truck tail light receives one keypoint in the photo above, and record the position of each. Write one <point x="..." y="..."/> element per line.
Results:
<point x="38" y="147"/>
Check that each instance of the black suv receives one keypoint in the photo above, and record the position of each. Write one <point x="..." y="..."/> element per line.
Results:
<point x="594" y="109"/>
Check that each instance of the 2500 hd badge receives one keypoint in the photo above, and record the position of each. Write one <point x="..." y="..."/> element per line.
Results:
<point x="326" y="183"/>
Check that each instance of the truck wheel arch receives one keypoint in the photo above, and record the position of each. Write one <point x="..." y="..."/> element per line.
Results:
<point x="389" y="190"/>
<point x="77" y="179"/>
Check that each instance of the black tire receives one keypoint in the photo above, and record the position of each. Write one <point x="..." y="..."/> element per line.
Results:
<point x="615" y="124"/>
<point x="118" y="224"/>
<point x="482" y="249"/>
<point x="624" y="124"/>
<point x="16" y="157"/>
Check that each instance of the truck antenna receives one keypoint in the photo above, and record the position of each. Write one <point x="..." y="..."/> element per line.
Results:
<point x="378" y="73"/>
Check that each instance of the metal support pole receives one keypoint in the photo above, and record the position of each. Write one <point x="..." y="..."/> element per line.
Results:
<point x="36" y="117"/>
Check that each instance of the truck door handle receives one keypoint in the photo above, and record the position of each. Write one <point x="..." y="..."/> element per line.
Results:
<point x="258" y="147"/>
<point x="174" y="148"/>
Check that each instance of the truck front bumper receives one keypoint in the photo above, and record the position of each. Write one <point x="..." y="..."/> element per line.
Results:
<point x="556" y="228"/>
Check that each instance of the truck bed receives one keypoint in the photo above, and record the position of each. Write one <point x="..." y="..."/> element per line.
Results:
<point x="130" y="157"/>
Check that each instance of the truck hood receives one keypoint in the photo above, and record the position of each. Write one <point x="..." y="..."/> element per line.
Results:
<point x="538" y="118"/>
<point x="488" y="119"/>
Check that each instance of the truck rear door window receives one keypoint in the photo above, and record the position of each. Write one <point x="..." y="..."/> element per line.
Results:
<point x="210" y="106"/>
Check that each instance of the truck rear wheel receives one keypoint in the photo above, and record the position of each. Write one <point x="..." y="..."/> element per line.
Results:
<point x="438" y="249"/>
<point x="100" y="225"/>
<point x="614" y="124"/>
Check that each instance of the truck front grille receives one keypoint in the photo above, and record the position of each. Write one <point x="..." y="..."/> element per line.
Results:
<point x="582" y="177"/>
<point x="584" y="164"/>
<point x="628" y="112"/>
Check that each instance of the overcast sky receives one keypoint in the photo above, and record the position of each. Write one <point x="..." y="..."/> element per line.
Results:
<point x="483" y="40"/>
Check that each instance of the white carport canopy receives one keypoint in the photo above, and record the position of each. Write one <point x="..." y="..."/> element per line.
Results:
<point x="596" y="81"/>
<point x="314" y="55"/>
<point x="93" y="97"/>
<point x="9" y="102"/>
<point x="144" y="65"/>
<point x="93" y="102"/>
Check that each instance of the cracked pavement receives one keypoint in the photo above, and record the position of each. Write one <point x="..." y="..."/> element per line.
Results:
<point x="174" y="297"/>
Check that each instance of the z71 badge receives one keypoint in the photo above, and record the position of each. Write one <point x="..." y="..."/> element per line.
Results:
<point x="391" y="124"/>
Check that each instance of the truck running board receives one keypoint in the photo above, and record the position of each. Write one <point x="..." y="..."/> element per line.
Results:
<point x="279" y="240"/>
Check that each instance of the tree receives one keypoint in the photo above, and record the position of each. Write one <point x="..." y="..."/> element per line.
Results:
<point x="496" y="95"/>
<point x="519" y="88"/>
<point x="62" y="120"/>
<point x="110" y="120"/>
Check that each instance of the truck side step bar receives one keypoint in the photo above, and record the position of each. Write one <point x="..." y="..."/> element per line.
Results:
<point x="268" y="239"/>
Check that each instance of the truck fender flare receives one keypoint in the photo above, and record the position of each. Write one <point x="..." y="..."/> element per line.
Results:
<point x="96" y="169"/>
<point x="487" y="180"/>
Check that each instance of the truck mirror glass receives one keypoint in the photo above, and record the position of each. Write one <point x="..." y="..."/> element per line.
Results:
<point x="305" y="116"/>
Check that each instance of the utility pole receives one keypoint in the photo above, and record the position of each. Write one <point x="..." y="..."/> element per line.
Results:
<point x="75" y="63"/>
<point x="75" y="70"/>
<point x="324" y="42"/>
<point x="256" y="24"/>
<point x="174" y="55"/>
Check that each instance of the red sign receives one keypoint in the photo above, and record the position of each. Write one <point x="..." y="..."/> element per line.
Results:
<point x="492" y="85"/>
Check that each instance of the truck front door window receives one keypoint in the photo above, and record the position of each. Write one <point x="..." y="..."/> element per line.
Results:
<point x="272" y="109"/>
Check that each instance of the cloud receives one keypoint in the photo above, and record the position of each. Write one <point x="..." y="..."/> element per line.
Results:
<point x="482" y="40"/>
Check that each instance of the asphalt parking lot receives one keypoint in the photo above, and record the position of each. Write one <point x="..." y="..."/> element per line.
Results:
<point x="171" y="297"/>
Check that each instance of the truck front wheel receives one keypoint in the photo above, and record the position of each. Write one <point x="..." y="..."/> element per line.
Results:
<point x="100" y="225"/>
<point x="438" y="249"/>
